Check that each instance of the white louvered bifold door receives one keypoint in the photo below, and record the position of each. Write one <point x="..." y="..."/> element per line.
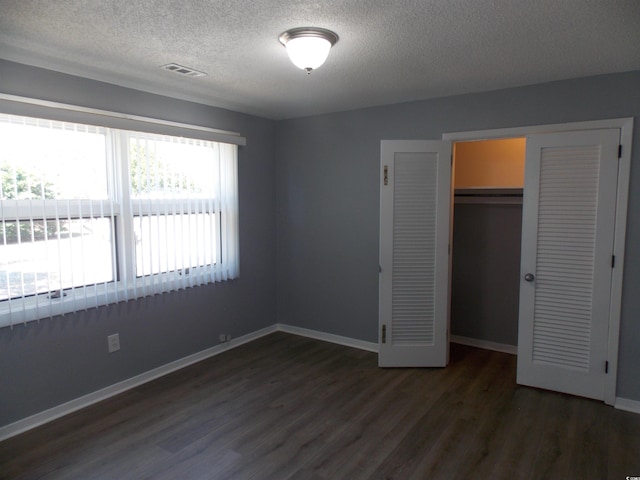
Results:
<point x="566" y="268"/>
<point x="415" y="196"/>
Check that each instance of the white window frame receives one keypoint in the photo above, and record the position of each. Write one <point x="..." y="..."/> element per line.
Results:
<point x="119" y="209"/>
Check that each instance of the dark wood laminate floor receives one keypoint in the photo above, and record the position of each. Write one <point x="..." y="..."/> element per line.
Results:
<point x="287" y="407"/>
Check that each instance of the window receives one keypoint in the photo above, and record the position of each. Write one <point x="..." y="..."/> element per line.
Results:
<point x="94" y="215"/>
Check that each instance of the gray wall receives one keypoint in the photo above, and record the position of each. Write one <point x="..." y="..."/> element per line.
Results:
<point x="45" y="364"/>
<point x="328" y="199"/>
<point x="312" y="180"/>
<point x="485" y="271"/>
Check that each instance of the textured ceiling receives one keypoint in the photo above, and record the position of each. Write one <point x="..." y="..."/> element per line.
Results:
<point x="388" y="52"/>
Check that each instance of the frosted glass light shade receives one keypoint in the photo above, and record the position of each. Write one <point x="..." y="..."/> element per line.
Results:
<point x="308" y="53"/>
<point x="308" y="47"/>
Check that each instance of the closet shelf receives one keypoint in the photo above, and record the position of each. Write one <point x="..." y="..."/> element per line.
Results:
<point x="496" y="196"/>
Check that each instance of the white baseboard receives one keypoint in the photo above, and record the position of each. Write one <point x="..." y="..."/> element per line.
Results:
<point x="71" y="406"/>
<point x="474" y="342"/>
<point x="76" y="404"/>
<point x="373" y="347"/>
<point x="627" y="405"/>
<point x="329" y="337"/>
<point x="64" y="409"/>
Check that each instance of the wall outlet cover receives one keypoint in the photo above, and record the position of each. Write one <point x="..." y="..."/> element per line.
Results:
<point x="113" y="342"/>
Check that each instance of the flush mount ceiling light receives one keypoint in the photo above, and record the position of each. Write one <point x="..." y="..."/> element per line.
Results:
<point x="308" y="47"/>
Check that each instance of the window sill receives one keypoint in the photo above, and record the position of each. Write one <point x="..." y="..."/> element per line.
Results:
<point x="39" y="307"/>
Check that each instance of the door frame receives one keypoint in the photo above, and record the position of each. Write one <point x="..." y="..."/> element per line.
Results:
<point x="622" y="199"/>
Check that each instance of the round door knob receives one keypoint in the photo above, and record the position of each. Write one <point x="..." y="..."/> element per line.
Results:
<point x="529" y="277"/>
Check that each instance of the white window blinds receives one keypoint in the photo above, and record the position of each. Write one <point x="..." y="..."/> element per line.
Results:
<point x="93" y="215"/>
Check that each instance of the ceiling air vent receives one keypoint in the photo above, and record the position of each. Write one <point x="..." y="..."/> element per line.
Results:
<point x="182" y="70"/>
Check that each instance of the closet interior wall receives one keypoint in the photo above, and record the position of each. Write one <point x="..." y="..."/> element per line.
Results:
<point x="487" y="229"/>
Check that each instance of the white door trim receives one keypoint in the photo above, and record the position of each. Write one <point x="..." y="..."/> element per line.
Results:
<point x="622" y="199"/>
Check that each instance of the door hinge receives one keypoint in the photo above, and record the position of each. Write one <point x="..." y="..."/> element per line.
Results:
<point x="619" y="151"/>
<point x="613" y="261"/>
<point x="386" y="175"/>
<point x="384" y="334"/>
<point x="606" y="366"/>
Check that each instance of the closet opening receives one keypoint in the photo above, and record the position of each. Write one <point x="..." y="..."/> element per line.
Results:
<point x="487" y="181"/>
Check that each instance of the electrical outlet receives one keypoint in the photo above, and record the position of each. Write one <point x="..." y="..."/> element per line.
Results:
<point x="228" y="339"/>
<point x="113" y="341"/>
<point x="223" y="338"/>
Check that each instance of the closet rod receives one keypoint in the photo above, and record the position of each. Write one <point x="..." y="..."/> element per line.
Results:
<point x="504" y="196"/>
